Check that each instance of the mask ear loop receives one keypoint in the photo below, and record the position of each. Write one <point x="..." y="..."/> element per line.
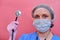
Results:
<point x="52" y="23"/>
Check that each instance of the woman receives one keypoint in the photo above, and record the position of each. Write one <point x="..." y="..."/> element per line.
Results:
<point x="43" y="19"/>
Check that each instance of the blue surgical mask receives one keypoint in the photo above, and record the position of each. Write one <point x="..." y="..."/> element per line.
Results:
<point x="42" y="25"/>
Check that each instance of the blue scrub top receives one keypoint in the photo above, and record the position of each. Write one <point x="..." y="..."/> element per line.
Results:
<point x="33" y="36"/>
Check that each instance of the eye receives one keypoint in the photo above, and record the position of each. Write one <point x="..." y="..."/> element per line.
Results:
<point x="45" y="16"/>
<point x="36" y="16"/>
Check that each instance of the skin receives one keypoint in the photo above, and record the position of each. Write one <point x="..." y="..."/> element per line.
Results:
<point x="42" y="13"/>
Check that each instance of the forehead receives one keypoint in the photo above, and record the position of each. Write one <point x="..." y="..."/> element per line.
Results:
<point x="41" y="11"/>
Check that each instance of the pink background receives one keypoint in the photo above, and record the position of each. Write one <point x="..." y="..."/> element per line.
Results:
<point x="7" y="14"/>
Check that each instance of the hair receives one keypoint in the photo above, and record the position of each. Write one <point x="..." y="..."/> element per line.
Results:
<point x="46" y="7"/>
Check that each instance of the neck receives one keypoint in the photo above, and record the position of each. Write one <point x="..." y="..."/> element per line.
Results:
<point x="43" y="35"/>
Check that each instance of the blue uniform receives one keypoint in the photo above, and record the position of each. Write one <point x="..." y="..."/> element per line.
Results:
<point x="33" y="36"/>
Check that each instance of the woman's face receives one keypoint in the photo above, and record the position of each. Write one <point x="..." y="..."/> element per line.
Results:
<point x="42" y="13"/>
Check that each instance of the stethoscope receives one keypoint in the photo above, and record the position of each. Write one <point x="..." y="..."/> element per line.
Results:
<point x="37" y="38"/>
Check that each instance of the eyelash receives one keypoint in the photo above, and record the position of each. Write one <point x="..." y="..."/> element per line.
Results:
<point x="45" y="16"/>
<point x="37" y="16"/>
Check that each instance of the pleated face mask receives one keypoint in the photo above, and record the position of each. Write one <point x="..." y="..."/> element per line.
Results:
<point x="42" y="25"/>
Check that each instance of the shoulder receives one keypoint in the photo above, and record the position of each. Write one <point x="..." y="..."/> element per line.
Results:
<point x="55" y="37"/>
<point x="27" y="36"/>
